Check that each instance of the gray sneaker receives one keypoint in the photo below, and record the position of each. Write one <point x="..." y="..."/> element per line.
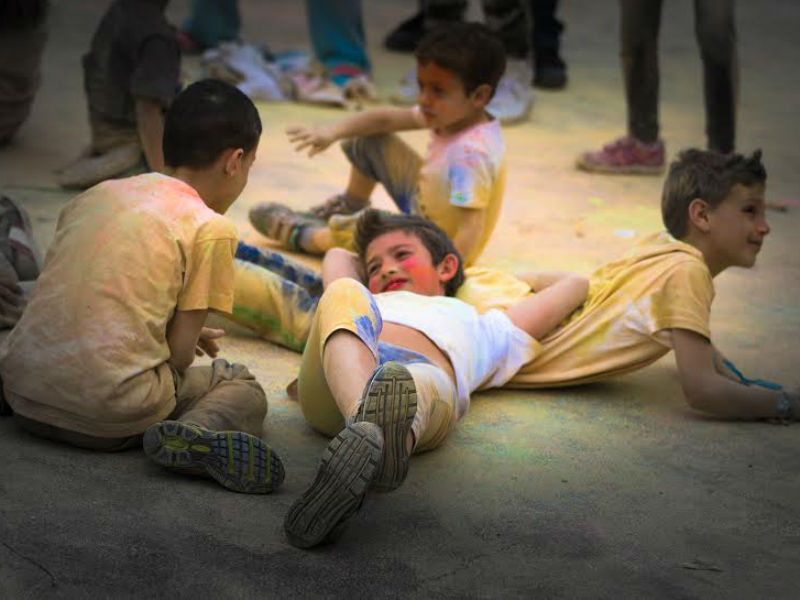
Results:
<point x="390" y="401"/>
<point x="346" y="471"/>
<point x="513" y="98"/>
<point x="407" y="91"/>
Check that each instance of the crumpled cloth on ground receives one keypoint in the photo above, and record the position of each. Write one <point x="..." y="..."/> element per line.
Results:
<point x="285" y="76"/>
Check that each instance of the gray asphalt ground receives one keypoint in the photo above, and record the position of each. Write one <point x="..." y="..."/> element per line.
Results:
<point x="614" y="490"/>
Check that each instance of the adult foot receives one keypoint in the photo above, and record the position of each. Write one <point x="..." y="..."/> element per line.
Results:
<point x="550" y="72"/>
<point x="346" y="471"/>
<point x="236" y="460"/>
<point x="626" y="155"/>
<point x="390" y="401"/>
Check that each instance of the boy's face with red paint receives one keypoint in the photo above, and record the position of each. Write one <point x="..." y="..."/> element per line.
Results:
<point x="398" y="260"/>
<point x="445" y="105"/>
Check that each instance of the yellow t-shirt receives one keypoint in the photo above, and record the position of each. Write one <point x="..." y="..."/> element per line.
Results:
<point x="89" y="353"/>
<point x="462" y="172"/>
<point x="660" y="284"/>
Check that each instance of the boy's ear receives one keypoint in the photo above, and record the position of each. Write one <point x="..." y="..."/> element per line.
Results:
<point x="447" y="267"/>
<point x="699" y="212"/>
<point x="482" y="94"/>
<point x="233" y="161"/>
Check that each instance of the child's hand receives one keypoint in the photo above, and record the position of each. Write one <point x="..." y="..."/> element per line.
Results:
<point x="316" y="139"/>
<point x="206" y="343"/>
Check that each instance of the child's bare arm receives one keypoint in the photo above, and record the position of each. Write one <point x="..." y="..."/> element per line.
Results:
<point x="539" y="280"/>
<point x="710" y="390"/>
<point x="339" y="263"/>
<point x="368" y="122"/>
<point x="542" y="312"/>
<point x="150" y="125"/>
<point x="469" y="232"/>
<point x="187" y="337"/>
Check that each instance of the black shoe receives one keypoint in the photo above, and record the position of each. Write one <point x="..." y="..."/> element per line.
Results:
<point x="236" y="460"/>
<point x="346" y="471"/>
<point x="390" y="401"/>
<point x="550" y="72"/>
<point x="406" y="36"/>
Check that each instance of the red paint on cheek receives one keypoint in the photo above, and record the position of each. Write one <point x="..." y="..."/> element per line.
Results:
<point x="421" y="273"/>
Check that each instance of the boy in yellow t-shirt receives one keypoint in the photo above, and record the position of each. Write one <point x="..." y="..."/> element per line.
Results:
<point x="101" y="356"/>
<point x="458" y="185"/>
<point x="658" y="296"/>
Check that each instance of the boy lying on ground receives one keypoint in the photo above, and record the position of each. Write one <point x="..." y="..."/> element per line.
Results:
<point x="389" y="368"/>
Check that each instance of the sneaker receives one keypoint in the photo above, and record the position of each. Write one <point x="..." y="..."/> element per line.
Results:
<point x="340" y="204"/>
<point x="236" y="460"/>
<point x="280" y="223"/>
<point x="626" y="155"/>
<point x="390" y="401"/>
<point x="407" y="35"/>
<point x="407" y="91"/>
<point x="513" y="98"/>
<point x="346" y="471"/>
<point x="550" y="72"/>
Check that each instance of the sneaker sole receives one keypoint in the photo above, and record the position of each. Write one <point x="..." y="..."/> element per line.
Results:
<point x="615" y="170"/>
<point x="236" y="460"/>
<point x="390" y="401"/>
<point x="348" y="466"/>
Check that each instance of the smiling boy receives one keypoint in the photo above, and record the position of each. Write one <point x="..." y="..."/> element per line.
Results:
<point x="657" y="297"/>
<point x="458" y="185"/>
<point x="389" y="370"/>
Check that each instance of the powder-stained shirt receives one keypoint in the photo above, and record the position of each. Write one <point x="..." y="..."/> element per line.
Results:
<point x="134" y="54"/>
<point x="460" y="172"/>
<point x="625" y="323"/>
<point x="90" y="351"/>
<point x="485" y="350"/>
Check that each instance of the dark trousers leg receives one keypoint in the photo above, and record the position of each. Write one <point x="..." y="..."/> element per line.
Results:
<point x="716" y="35"/>
<point x="510" y="21"/>
<point x="640" y="21"/>
<point x="546" y="31"/>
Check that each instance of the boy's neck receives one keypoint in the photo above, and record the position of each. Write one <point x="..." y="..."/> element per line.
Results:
<point x="700" y="242"/>
<point x="202" y="181"/>
<point x="478" y="118"/>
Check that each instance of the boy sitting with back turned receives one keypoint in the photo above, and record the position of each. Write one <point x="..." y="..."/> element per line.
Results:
<point x="391" y="373"/>
<point x="658" y="296"/>
<point x="458" y="185"/>
<point x="101" y="356"/>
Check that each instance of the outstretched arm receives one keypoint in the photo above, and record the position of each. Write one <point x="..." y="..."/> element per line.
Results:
<point x="368" y="122"/>
<point x="541" y="312"/>
<point x="709" y="386"/>
<point x="539" y="280"/>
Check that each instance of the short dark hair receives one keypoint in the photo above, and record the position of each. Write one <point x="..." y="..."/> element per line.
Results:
<point x="470" y="50"/>
<point x="373" y="223"/>
<point x="207" y="118"/>
<point x="707" y="175"/>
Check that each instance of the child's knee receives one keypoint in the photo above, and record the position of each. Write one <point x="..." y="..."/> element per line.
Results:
<point x="344" y="292"/>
